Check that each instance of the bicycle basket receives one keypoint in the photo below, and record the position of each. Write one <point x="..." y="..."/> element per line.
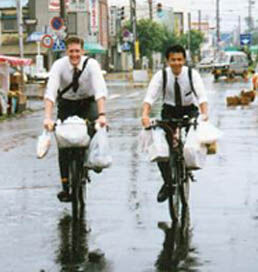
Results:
<point x="72" y="132"/>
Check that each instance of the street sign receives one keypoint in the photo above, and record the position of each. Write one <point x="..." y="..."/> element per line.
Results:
<point x="47" y="41"/>
<point x="57" y="23"/>
<point x="59" y="45"/>
<point x="245" y="39"/>
<point x="126" y="46"/>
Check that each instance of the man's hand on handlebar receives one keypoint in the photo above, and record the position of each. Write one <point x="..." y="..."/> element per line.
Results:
<point x="204" y="117"/>
<point x="48" y="124"/>
<point x="146" y="121"/>
<point x="102" y="120"/>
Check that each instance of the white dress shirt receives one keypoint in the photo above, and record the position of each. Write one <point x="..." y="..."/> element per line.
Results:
<point x="155" y="89"/>
<point x="91" y="81"/>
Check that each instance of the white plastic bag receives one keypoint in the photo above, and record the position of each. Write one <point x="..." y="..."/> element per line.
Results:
<point x="158" y="149"/>
<point x="72" y="132"/>
<point x="194" y="152"/>
<point x="99" y="153"/>
<point x="144" y="140"/>
<point x="207" y="133"/>
<point x="43" y="144"/>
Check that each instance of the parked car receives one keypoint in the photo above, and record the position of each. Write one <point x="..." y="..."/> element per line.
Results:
<point x="230" y="64"/>
<point x="205" y="64"/>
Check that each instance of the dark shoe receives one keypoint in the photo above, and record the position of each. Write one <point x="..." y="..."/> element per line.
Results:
<point x="163" y="193"/>
<point x="64" y="196"/>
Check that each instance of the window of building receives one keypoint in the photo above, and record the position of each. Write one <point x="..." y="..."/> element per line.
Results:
<point x="9" y="25"/>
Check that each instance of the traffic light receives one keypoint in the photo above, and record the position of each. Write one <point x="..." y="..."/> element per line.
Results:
<point x="122" y="13"/>
<point x="159" y="8"/>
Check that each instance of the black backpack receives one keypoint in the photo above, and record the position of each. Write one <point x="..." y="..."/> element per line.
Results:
<point x="164" y="73"/>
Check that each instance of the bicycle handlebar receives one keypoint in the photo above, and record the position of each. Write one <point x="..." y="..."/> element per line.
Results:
<point x="174" y="122"/>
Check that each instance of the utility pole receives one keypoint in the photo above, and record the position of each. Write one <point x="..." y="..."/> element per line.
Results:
<point x="133" y="22"/>
<point x="20" y="33"/>
<point x="189" y="37"/>
<point x="62" y="9"/>
<point x="250" y="17"/>
<point x="239" y="29"/>
<point x="217" y="23"/>
<point x="200" y="30"/>
<point x="199" y="20"/>
<point x="150" y="9"/>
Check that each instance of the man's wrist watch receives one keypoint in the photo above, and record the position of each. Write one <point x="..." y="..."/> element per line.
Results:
<point x="102" y="114"/>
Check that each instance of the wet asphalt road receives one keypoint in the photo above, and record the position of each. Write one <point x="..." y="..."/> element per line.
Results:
<point x="123" y="219"/>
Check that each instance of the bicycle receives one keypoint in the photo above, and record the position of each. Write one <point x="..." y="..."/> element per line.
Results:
<point x="78" y="176"/>
<point x="179" y="187"/>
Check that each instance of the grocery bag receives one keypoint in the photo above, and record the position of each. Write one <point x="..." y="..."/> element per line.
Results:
<point x="194" y="152"/>
<point x="43" y="144"/>
<point x="99" y="156"/>
<point x="72" y="132"/>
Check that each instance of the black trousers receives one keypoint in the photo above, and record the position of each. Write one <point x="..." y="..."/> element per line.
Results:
<point x="84" y="108"/>
<point x="168" y="112"/>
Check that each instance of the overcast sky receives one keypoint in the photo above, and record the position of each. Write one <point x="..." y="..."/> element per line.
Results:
<point x="230" y="10"/>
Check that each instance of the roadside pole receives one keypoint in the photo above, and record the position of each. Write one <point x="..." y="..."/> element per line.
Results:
<point x="20" y="32"/>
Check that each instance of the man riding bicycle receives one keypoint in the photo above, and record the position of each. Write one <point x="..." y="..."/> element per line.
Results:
<point x="177" y="83"/>
<point x="77" y="85"/>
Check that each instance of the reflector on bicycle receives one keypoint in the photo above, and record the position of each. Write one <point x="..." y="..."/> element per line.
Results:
<point x="72" y="132"/>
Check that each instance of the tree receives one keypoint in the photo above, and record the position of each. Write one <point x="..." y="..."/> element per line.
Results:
<point x="196" y="38"/>
<point x="150" y="35"/>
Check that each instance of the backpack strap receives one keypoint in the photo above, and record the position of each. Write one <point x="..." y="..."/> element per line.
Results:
<point x="164" y="75"/>
<point x="191" y="81"/>
<point x="61" y="93"/>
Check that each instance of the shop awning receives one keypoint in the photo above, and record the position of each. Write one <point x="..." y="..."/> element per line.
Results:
<point x="13" y="61"/>
<point x="94" y="48"/>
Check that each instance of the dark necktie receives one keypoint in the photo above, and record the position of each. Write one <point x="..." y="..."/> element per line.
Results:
<point x="178" y="98"/>
<point x="76" y="74"/>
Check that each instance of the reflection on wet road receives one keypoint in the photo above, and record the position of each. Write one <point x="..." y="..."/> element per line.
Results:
<point x="125" y="222"/>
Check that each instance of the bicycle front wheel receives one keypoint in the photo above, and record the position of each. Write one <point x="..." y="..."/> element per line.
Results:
<point x="75" y="179"/>
<point x="174" y="196"/>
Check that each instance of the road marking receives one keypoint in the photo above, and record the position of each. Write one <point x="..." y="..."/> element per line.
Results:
<point x="133" y="94"/>
<point x="114" y="96"/>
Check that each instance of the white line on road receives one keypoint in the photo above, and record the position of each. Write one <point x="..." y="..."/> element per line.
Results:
<point x="133" y="94"/>
<point x="114" y="96"/>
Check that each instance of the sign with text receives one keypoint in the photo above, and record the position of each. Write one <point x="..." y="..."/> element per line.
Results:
<point x="245" y="39"/>
<point x="70" y="5"/>
<point x="93" y="8"/>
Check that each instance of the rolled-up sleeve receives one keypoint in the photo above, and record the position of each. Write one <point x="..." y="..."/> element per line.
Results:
<point x="154" y="89"/>
<point x="199" y="87"/>
<point x="98" y="84"/>
<point x="53" y="83"/>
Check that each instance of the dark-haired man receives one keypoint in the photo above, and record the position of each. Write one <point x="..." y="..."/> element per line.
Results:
<point x="77" y="85"/>
<point x="179" y="99"/>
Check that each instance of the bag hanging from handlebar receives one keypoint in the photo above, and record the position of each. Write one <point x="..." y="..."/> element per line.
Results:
<point x="99" y="152"/>
<point x="73" y="132"/>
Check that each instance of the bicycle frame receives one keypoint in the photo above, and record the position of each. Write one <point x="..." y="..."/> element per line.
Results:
<point x="76" y="174"/>
<point x="179" y="186"/>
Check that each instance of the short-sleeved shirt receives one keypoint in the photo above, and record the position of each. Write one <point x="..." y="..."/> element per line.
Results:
<point x="91" y="81"/>
<point x="155" y="88"/>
